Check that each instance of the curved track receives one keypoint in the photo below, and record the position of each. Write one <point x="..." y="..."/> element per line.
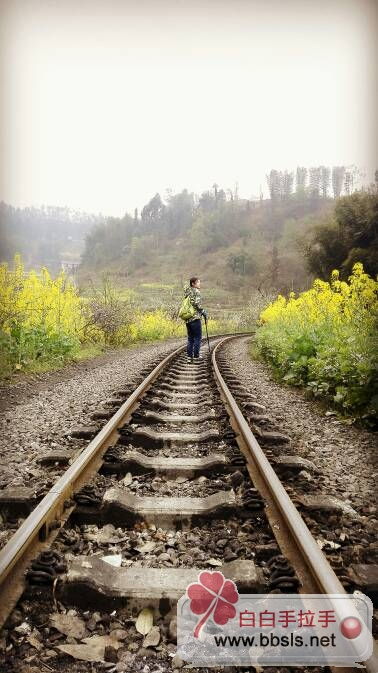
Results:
<point x="183" y="426"/>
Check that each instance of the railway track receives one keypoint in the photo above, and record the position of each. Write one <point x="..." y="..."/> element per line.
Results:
<point x="173" y="482"/>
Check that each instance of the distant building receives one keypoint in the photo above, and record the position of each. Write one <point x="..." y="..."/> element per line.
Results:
<point x="70" y="267"/>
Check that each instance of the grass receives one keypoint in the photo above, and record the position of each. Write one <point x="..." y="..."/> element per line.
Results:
<point x="88" y="351"/>
<point x="156" y="286"/>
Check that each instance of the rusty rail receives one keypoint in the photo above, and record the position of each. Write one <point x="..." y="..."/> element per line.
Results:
<point x="293" y="535"/>
<point x="41" y="527"/>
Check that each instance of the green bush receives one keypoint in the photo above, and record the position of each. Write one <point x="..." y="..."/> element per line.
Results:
<point x="23" y="346"/>
<point x="326" y="340"/>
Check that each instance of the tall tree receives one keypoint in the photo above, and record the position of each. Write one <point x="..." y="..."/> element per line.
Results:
<point x="274" y="184"/>
<point x="338" y="173"/>
<point x="153" y="220"/>
<point x="179" y="213"/>
<point x="315" y="178"/>
<point x="301" y="180"/>
<point x="221" y="196"/>
<point x="153" y="212"/>
<point x="350" y="174"/>
<point x="207" y="202"/>
<point x="287" y="184"/>
<point x="325" y="180"/>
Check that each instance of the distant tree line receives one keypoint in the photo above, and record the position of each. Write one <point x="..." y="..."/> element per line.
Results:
<point x="233" y="238"/>
<point x="43" y="236"/>
<point x="208" y="220"/>
<point x="246" y="239"/>
<point x="315" y="182"/>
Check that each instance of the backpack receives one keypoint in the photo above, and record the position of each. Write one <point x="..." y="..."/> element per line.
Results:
<point x="186" y="310"/>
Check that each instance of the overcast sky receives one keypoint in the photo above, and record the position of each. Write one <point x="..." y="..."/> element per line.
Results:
<point x="104" y="103"/>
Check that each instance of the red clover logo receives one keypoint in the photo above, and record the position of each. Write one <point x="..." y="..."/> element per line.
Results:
<point x="212" y="594"/>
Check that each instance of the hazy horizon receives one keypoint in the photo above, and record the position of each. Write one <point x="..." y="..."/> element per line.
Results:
<point x="105" y="104"/>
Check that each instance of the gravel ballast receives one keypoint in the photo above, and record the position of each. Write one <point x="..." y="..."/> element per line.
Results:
<point x="346" y="455"/>
<point x="37" y="418"/>
<point x="45" y="630"/>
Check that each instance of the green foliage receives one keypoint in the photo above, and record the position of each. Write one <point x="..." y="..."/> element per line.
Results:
<point x="44" y="322"/>
<point x="40" y="318"/>
<point x="242" y="263"/>
<point x="229" y="241"/>
<point x="326" y="340"/>
<point x="106" y="241"/>
<point x="153" y="213"/>
<point x="351" y="235"/>
<point x="22" y="346"/>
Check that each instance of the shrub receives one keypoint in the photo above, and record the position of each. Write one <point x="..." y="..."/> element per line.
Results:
<point x="155" y="325"/>
<point x="159" y="324"/>
<point x="40" y="318"/>
<point x="44" y="320"/>
<point x="326" y="340"/>
<point x="247" y="318"/>
<point x="108" y="316"/>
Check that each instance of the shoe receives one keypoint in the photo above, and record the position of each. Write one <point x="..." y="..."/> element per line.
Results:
<point x="189" y="360"/>
<point x="199" y="358"/>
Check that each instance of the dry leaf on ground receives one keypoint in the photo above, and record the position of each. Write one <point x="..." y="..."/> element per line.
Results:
<point x="34" y="641"/>
<point x="146" y="547"/>
<point x="152" y="638"/>
<point x="106" y="534"/>
<point x="113" y="560"/>
<point x="71" y="625"/>
<point x="93" y="648"/>
<point x="145" y="621"/>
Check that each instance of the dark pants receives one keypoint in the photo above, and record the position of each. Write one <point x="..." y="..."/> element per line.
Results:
<point x="194" y="329"/>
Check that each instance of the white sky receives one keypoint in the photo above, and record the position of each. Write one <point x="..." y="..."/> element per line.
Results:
<point x="105" y="103"/>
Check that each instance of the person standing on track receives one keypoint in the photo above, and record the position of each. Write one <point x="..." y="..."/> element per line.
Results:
<point x="193" y="325"/>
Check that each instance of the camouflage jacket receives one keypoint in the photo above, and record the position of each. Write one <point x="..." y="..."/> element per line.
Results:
<point x="195" y="298"/>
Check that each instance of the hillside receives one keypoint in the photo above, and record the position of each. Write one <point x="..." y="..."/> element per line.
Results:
<point x="233" y="244"/>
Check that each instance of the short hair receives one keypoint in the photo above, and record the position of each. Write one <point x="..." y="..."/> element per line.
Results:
<point x="193" y="280"/>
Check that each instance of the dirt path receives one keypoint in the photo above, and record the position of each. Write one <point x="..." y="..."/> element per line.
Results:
<point x="346" y="455"/>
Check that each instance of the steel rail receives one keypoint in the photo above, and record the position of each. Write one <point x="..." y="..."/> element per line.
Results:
<point x="33" y="534"/>
<point x="39" y="529"/>
<point x="43" y="524"/>
<point x="325" y="578"/>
